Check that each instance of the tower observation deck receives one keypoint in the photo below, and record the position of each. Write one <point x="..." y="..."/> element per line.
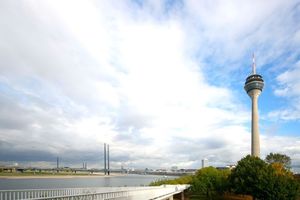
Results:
<point x="253" y="86"/>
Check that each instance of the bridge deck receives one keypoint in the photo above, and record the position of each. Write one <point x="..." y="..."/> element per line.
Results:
<point x="99" y="193"/>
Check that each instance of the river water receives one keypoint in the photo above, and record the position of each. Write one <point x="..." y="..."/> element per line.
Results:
<point x="77" y="182"/>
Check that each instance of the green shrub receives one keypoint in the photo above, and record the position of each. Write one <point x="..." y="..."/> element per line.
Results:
<point x="210" y="182"/>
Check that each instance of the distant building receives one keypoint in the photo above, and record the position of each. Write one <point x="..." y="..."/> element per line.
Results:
<point x="204" y="163"/>
<point x="174" y="169"/>
<point x="231" y="166"/>
<point x="226" y="167"/>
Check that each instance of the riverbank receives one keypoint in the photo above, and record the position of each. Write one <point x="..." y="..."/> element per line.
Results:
<point x="53" y="182"/>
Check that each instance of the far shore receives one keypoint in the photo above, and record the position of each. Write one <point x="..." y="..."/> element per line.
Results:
<point x="41" y="176"/>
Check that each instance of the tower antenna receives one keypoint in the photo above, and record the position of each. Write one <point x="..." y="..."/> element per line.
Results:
<point x="253" y="64"/>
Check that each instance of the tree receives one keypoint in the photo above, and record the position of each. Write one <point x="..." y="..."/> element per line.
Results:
<point x="210" y="182"/>
<point x="281" y="170"/>
<point x="279" y="158"/>
<point x="253" y="176"/>
<point x="249" y="176"/>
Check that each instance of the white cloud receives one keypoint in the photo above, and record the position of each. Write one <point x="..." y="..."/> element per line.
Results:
<point x="91" y="72"/>
<point x="289" y="82"/>
<point x="288" y="88"/>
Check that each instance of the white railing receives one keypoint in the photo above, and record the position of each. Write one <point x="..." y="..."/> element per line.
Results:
<point x="101" y="193"/>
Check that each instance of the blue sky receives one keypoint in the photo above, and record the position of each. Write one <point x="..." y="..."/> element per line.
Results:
<point x="160" y="81"/>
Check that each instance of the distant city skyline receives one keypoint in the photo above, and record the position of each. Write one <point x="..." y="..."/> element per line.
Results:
<point x="160" y="81"/>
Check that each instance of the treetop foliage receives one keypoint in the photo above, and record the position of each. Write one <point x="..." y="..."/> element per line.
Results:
<point x="210" y="182"/>
<point x="279" y="158"/>
<point x="180" y="180"/>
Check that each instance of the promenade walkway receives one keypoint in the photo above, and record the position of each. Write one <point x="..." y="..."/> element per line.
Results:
<point x="164" y="192"/>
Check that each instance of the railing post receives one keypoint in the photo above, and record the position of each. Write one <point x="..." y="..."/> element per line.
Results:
<point x="182" y="195"/>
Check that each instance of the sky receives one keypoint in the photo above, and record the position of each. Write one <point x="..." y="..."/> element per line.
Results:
<point x="160" y="81"/>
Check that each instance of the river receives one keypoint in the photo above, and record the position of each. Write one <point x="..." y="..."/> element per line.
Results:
<point x="77" y="182"/>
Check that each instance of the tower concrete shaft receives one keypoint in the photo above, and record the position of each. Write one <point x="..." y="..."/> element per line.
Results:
<point x="255" y="141"/>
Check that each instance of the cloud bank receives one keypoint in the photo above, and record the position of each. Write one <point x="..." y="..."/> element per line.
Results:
<point x="161" y="82"/>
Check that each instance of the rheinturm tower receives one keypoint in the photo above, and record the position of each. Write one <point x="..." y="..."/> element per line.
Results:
<point x="254" y="85"/>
